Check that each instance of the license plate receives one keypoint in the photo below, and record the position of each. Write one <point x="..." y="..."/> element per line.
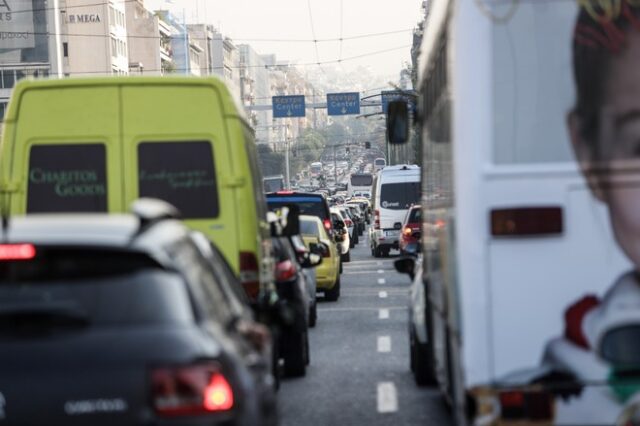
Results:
<point x="390" y="233"/>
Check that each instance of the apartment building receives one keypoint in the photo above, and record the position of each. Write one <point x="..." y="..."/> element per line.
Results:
<point x="143" y="39"/>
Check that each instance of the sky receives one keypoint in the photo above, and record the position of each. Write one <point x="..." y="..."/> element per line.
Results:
<point x="296" y="23"/>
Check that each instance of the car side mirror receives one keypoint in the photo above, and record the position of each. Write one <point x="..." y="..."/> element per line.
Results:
<point x="338" y="225"/>
<point x="397" y="122"/>
<point x="406" y="265"/>
<point x="397" y="225"/>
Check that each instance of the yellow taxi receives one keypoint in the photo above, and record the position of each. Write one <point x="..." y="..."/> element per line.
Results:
<point x="328" y="272"/>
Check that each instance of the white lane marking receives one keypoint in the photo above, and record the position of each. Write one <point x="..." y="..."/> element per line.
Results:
<point x="384" y="344"/>
<point x="381" y="281"/>
<point x="383" y="314"/>
<point x="348" y="272"/>
<point x="367" y="308"/>
<point x="387" y="397"/>
<point x="381" y="271"/>
<point x="382" y="294"/>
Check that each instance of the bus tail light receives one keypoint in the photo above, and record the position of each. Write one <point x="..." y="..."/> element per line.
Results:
<point x="526" y="221"/>
<point x="376" y="221"/>
<point x="250" y="274"/>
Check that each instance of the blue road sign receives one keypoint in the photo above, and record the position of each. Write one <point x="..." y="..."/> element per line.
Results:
<point x="288" y="106"/>
<point x="343" y="103"/>
<point x="394" y="95"/>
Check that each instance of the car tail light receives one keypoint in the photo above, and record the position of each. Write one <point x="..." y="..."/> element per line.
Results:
<point x="376" y="222"/>
<point x="285" y="271"/>
<point x="17" y="251"/>
<point x="327" y="224"/>
<point x="529" y="405"/>
<point x="526" y="221"/>
<point x="407" y="231"/>
<point x="348" y="222"/>
<point x="190" y="390"/>
<point x="250" y="274"/>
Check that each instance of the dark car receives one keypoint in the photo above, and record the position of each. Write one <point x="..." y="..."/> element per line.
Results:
<point x="410" y="233"/>
<point x="126" y="320"/>
<point x="312" y="204"/>
<point x="292" y="292"/>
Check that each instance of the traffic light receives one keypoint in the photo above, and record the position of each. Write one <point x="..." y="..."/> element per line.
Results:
<point x="367" y="145"/>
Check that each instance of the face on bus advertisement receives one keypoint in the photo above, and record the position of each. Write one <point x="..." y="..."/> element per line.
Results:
<point x="605" y="125"/>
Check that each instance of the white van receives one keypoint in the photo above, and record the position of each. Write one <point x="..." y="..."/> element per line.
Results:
<point x="396" y="189"/>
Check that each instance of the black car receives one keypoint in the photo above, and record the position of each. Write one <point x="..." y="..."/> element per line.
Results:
<point x="125" y="320"/>
<point x="292" y="292"/>
<point x="312" y="204"/>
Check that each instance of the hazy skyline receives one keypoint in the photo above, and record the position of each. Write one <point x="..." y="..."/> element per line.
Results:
<point x="284" y="27"/>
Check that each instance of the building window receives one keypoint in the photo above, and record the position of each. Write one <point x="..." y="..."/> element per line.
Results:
<point x="65" y="49"/>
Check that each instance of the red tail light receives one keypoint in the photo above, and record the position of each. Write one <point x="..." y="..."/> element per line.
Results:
<point x="17" y="251"/>
<point x="250" y="274"/>
<point x="523" y="221"/>
<point x="519" y="405"/>
<point x="407" y="231"/>
<point x="376" y="221"/>
<point x="348" y="222"/>
<point x="285" y="271"/>
<point x="284" y="192"/>
<point x="190" y="390"/>
<point x="327" y="224"/>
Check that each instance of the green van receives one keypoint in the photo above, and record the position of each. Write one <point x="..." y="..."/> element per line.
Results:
<point x="95" y="145"/>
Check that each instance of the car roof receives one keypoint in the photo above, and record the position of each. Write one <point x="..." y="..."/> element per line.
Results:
<point x="308" y="218"/>
<point x="127" y="232"/>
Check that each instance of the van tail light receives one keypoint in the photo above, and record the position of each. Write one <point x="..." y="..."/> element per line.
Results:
<point x="17" y="251"/>
<point x="250" y="274"/>
<point x="526" y="405"/>
<point x="376" y="221"/>
<point x="327" y="224"/>
<point x="526" y="221"/>
<point x="285" y="270"/>
<point x="190" y="390"/>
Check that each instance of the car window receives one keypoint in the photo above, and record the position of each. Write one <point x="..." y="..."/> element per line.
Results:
<point x="181" y="173"/>
<point x="206" y="289"/>
<point x="415" y="216"/>
<point x="67" y="178"/>
<point x="311" y="206"/>
<point x="308" y="227"/>
<point x="101" y="288"/>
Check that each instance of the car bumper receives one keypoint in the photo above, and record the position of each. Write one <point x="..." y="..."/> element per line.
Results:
<point x="386" y="237"/>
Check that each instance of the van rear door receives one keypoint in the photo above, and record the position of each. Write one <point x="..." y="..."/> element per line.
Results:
<point x="64" y="158"/>
<point x="176" y="150"/>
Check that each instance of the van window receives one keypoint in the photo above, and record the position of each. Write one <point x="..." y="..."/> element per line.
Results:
<point x="67" y="178"/>
<point x="180" y="173"/>
<point x="399" y="196"/>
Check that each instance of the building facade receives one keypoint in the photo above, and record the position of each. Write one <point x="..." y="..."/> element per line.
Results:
<point x="144" y="39"/>
<point x="94" y="38"/>
<point x="29" y="43"/>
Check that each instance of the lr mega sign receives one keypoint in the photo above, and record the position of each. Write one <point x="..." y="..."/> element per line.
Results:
<point x="16" y="24"/>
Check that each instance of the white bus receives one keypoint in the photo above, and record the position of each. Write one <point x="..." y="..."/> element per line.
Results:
<point x="378" y="164"/>
<point x="534" y="305"/>
<point x="360" y="183"/>
<point x="315" y="169"/>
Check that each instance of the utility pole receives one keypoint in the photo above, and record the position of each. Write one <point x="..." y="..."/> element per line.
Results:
<point x="335" y="164"/>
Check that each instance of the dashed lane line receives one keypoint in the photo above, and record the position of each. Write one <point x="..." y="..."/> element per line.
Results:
<point x="381" y="271"/>
<point x="384" y="344"/>
<point x="383" y="294"/>
<point x="383" y="313"/>
<point x="387" y="397"/>
<point x="381" y="281"/>
<point x="361" y="308"/>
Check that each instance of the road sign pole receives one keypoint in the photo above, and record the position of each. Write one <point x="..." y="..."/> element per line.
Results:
<point x="287" y="183"/>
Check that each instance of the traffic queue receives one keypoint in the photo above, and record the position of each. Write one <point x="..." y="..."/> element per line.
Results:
<point x="146" y="277"/>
